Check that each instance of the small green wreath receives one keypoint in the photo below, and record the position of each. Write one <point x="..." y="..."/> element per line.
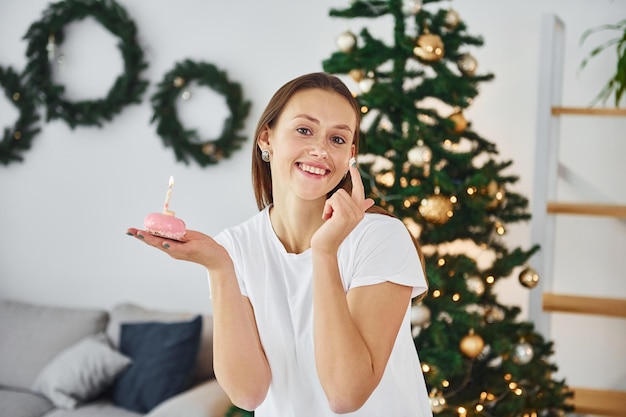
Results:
<point x="186" y="142"/>
<point x="19" y="137"/>
<point x="44" y="35"/>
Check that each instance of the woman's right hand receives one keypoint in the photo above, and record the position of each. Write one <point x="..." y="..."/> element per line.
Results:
<point x="194" y="247"/>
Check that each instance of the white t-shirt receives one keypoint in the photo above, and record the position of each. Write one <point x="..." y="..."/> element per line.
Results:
<point x="279" y="286"/>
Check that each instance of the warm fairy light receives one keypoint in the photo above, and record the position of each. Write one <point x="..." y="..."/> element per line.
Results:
<point x="518" y="391"/>
<point x="462" y="411"/>
<point x="490" y="279"/>
<point x="479" y="407"/>
<point x="425" y="367"/>
<point x="364" y="109"/>
<point x="441" y="262"/>
<point x="508" y="377"/>
<point x="404" y="182"/>
<point x="436" y="294"/>
<point x="499" y="228"/>
<point x="471" y="191"/>
<point x="453" y="199"/>
<point x="414" y="182"/>
<point x="456" y="297"/>
<point x="483" y="395"/>
<point x="406" y="203"/>
<point x="449" y="213"/>
<point x="512" y="385"/>
<point x="445" y="383"/>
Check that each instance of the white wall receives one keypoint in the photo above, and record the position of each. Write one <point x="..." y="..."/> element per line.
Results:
<point x="65" y="209"/>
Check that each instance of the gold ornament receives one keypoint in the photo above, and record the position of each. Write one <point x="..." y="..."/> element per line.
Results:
<point x="496" y="192"/>
<point x="460" y="123"/>
<point x="387" y="179"/>
<point x="436" y="208"/>
<point x="452" y="19"/>
<point x="208" y="148"/>
<point x="357" y="74"/>
<point x="346" y="41"/>
<point x="16" y="96"/>
<point x="179" y="82"/>
<point x="467" y="64"/>
<point x="529" y="278"/>
<point x="472" y="344"/>
<point x="429" y="47"/>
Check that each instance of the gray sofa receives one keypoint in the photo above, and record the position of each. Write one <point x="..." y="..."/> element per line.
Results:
<point x="126" y="362"/>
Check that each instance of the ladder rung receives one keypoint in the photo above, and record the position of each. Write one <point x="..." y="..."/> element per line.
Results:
<point x="599" y="402"/>
<point x="610" y="210"/>
<point x="614" y="307"/>
<point x="588" y="111"/>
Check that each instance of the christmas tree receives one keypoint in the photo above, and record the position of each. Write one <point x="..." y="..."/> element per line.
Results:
<point x="422" y="160"/>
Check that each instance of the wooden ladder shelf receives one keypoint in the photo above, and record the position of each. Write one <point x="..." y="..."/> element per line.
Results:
<point x="600" y="402"/>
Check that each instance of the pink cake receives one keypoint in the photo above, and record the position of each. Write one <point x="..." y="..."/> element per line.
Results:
<point x="165" y="225"/>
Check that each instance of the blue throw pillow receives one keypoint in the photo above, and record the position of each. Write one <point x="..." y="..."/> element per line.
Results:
<point x="163" y="358"/>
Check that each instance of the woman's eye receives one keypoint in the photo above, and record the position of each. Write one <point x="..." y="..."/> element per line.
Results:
<point x="303" y="131"/>
<point x="338" y="139"/>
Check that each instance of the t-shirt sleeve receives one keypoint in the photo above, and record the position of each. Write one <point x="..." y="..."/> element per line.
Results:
<point x="386" y="252"/>
<point x="225" y="238"/>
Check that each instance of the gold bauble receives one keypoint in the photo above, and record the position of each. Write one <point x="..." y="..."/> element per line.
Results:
<point x="436" y="209"/>
<point x="471" y="345"/>
<point x="452" y="19"/>
<point x="179" y="82"/>
<point x="429" y="47"/>
<point x="529" y="278"/>
<point x="460" y="123"/>
<point x="357" y="74"/>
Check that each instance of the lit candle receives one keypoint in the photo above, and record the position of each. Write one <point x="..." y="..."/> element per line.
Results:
<point x="168" y="196"/>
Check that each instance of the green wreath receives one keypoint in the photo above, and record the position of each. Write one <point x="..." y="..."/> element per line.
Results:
<point x="48" y="32"/>
<point x="20" y="136"/>
<point x="186" y="142"/>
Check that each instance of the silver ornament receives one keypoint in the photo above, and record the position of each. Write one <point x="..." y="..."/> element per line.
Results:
<point x="420" y="315"/>
<point x="366" y="85"/>
<point x="346" y="41"/>
<point x="411" y="7"/>
<point x="420" y="155"/>
<point x="467" y="64"/>
<point x="437" y="402"/>
<point x="475" y="285"/>
<point x="523" y="353"/>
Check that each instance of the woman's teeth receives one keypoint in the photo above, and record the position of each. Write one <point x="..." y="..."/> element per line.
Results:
<point x="312" y="170"/>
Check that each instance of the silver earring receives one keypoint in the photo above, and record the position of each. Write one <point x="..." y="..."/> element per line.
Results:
<point x="265" y="155"/>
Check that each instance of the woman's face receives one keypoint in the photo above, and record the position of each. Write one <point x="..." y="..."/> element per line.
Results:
<point x="311" y="144"/>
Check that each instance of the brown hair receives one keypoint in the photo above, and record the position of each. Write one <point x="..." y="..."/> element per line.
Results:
<point x="261" y="173"/>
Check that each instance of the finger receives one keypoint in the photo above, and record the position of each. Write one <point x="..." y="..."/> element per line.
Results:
<point x="358" y="191"/>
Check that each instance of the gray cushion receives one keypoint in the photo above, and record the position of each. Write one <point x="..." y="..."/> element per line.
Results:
<point x="81" y="372"/>
<point x="22" y="404"/>
<point x="95" y="409"/>
<point x="32" y="335"/>
<point x="131" y="313"/>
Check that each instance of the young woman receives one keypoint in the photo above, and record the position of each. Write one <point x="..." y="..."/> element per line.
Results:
<point x="311" y="296"/>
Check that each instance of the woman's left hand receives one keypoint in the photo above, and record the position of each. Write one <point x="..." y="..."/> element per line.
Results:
<point x="342" y="212"/>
